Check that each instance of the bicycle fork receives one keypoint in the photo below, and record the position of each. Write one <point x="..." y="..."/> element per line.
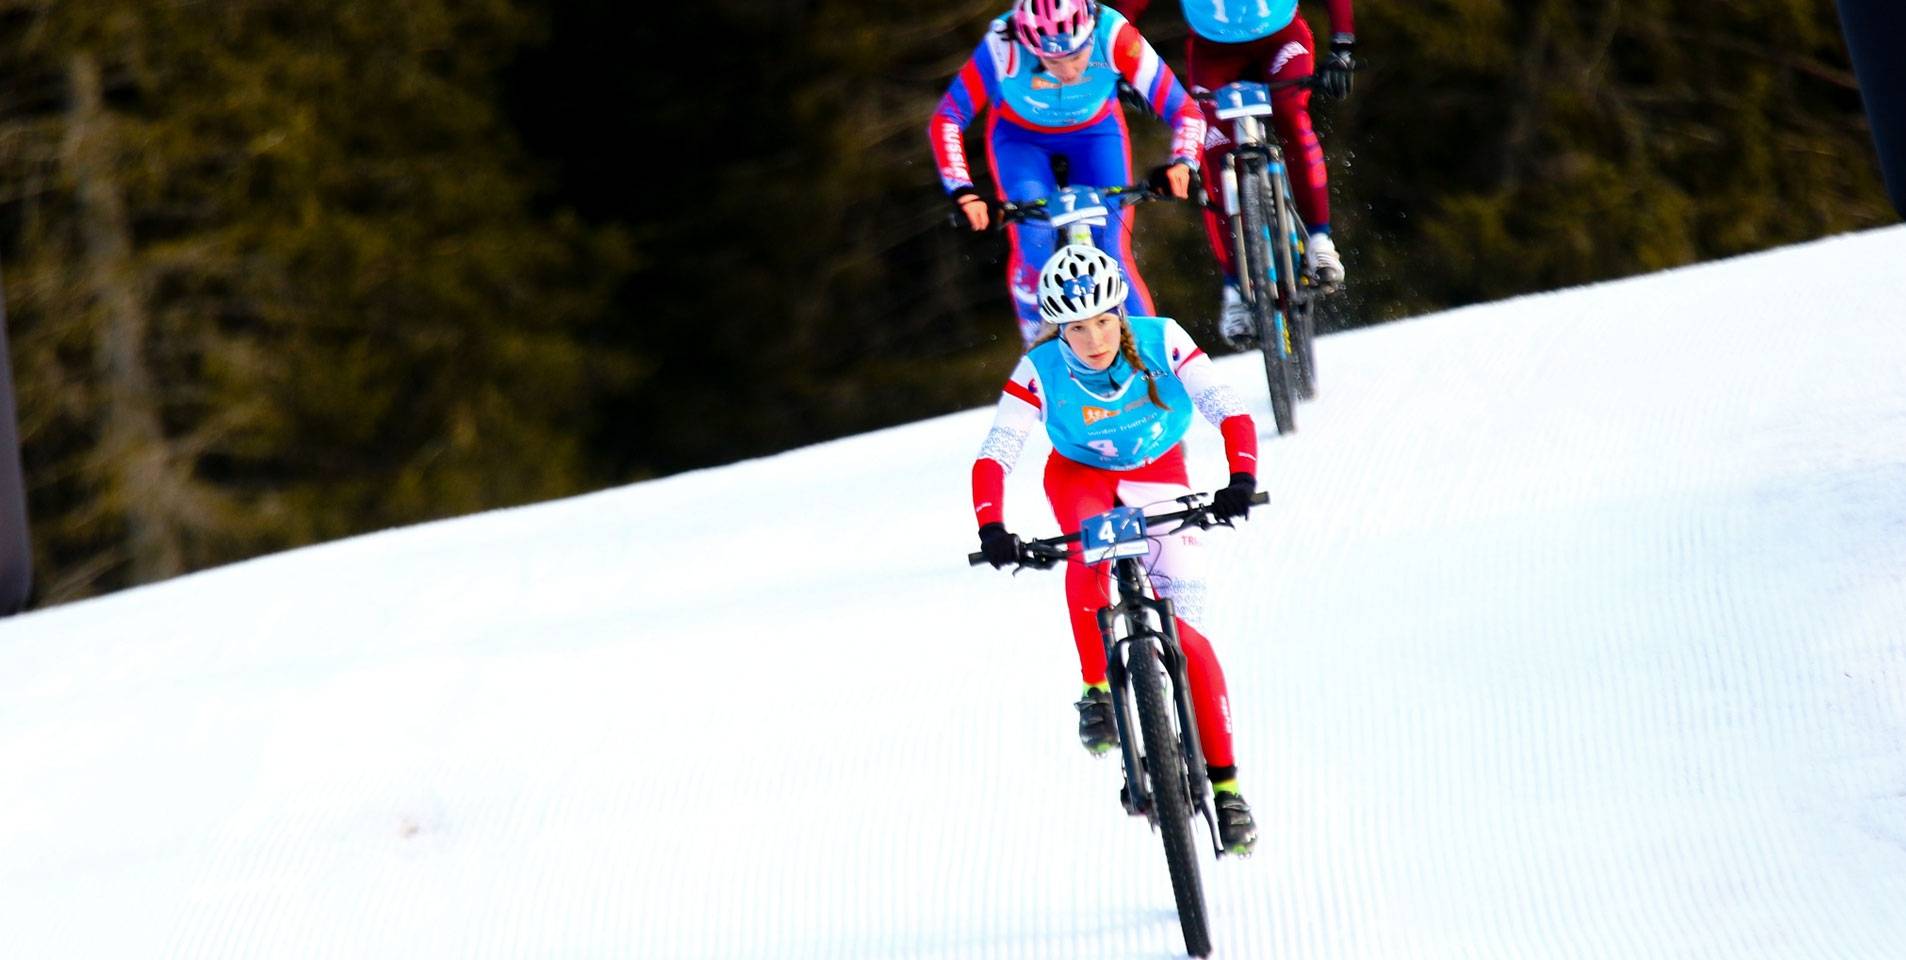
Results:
<point x="1251" y="286"/>
<point x="1248" y="285"/>
<point x="1137" y="610"/>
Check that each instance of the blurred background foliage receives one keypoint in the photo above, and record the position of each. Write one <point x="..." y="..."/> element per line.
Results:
<point x="280" y="271"/>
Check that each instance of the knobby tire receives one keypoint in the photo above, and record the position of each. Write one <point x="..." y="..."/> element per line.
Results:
<point x="1254" y="209"/>
<point x="1165" y="768"/>
<point x="1296" y="297"/>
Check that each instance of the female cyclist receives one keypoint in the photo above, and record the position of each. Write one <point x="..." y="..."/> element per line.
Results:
<point x="1266" y="41"/>
<point x="1115" y="393"/>
<point x="1050" y="70"/>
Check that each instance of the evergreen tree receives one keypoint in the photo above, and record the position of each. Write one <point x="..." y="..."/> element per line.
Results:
<point x="1498" y="149"/>
<point x="275" y="279"/>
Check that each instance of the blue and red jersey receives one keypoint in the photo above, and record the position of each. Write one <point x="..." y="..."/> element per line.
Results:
<point x="1003" y="75"/>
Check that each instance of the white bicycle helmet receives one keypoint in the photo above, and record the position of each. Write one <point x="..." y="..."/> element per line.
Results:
<point x="1078" y="282"/>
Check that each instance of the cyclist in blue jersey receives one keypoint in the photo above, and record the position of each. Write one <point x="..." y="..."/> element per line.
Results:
<point x="1050" y="70"/>
<point x="1266" y="41"/>
<point x="1114" y="393"/>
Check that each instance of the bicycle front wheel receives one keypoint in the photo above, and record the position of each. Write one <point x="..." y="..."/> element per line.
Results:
<point x="1297" y="298"/>
<point x="1257" y="219"/>
<point x="1165" y="767"/>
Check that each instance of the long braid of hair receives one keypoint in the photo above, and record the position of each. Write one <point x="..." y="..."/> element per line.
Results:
<point x="1129" y="347"/>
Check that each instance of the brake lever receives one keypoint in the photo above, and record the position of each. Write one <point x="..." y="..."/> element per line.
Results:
<point x="1203" y="520"/>
<point x="1035" y="561"/>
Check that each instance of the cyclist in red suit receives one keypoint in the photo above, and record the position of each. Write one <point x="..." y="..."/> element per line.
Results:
<point x="1114" y="394"/>
<point x="1266" y="41"/>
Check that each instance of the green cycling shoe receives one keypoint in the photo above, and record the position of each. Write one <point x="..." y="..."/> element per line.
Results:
<point x="1096" y="729"/>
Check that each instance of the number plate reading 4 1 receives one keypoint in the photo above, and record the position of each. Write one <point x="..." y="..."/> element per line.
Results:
<point x="1119" y="532"/>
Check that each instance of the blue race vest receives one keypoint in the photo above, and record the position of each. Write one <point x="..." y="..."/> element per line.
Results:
<point x="1037" y="98"/>
<point x="1123" y="431"/>
<point x="1238" y="21"/>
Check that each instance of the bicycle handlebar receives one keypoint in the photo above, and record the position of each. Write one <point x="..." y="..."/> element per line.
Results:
<point x="1206" y="96"/>
<point x="1013" y="211"/>
<point x="1052" y="549"/>
<point x="1314" y="82"/>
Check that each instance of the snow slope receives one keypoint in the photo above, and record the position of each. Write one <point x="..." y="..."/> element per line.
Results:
<point x="1576" y="628"/>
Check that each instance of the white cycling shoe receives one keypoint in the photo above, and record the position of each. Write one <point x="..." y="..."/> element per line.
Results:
<point x="1234" y="320"/>
<point x="1323" y="261"/>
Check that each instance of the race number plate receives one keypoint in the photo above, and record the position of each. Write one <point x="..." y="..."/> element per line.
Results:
<point x="1243" y="99"/>
<point x="1078" y="205"/>
<point x="1118" y="532"/>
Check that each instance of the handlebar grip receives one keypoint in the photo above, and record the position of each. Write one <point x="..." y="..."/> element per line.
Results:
<point x="975" y="559"/>
<point x="1260" y="498"/>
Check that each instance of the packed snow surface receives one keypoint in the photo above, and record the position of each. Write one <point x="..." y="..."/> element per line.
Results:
<point x="1576" y="628"/>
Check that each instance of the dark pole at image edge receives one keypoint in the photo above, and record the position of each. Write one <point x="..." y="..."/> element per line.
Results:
<point x="1876" y="40"/>
<point x="16" y="550"/>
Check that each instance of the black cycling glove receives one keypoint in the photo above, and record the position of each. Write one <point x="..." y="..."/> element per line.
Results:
<point x="1234" y="500"/>
<point x="1000" y="548"/>
<point x="1333" y="79"/>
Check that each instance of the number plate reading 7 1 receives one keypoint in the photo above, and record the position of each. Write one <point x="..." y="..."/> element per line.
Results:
<point x="1119" y="532"/>
<point x="1243" y="99"/>
<point x="1077" y="205"/>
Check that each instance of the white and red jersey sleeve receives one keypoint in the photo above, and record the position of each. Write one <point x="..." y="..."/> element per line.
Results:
<point x="1214" y="398"/>
<point x="1021" y="410"/>
<point x="1146" y="71"/>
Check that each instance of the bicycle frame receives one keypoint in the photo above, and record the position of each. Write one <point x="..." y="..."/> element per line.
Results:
<point x="1135" y="607"/>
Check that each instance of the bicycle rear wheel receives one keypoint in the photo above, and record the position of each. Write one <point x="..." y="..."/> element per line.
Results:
<point x="1256" y="268"/>
<point x="1165" y="767"/>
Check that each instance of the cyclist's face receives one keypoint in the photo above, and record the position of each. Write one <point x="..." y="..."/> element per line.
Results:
<point x="1094" y="339"/>
<point x="1069" y="68"/>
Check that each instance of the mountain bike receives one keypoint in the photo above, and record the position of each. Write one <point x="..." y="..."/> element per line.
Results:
<point x="1165" y="778"/>
<point x="1269" y="245"/>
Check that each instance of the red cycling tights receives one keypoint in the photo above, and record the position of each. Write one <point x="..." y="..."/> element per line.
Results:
<point x="1175" y="566"/>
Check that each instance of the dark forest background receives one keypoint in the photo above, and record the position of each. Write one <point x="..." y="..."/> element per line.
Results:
<point x="280" y="271"/>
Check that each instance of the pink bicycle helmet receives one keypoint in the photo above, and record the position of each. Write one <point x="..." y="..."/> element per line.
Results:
<point x="1055" y="28"/>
